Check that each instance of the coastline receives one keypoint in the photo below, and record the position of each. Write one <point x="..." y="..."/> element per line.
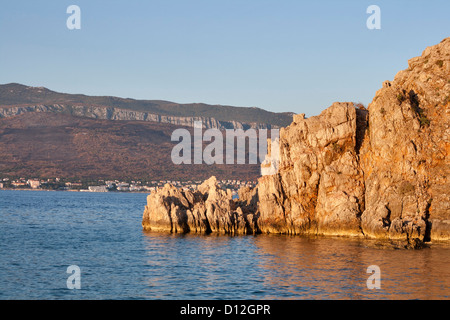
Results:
<point x="369" y="242"/>
<point x="377" y="172"/>
<point x="83" y="191"/>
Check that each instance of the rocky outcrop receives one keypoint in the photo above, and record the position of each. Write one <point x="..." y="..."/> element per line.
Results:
<point x="319" y="187"/>
<point x="405" y="156"/>
<point x="111" y="113"/>
<point x="209" y="209"/>
<point x="381" y="172"/>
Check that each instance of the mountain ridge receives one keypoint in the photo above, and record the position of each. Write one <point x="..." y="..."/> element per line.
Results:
<point x="16" y="99"/>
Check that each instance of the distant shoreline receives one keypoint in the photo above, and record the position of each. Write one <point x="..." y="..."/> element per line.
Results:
<point x="9" y="189"/>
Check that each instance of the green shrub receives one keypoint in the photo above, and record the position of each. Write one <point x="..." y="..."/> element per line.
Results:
<point x="401" y="97"/>
<point x="424" y="121"/>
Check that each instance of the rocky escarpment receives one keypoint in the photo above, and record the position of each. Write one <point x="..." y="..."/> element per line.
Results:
<point x="319" y="187"/>
<point x="381" y="173"/>
<point x="112" y="113"/>
<point x="405" y="157"/>
<point x="377" y="173"/>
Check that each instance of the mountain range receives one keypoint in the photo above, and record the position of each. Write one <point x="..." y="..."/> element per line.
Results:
<point x="46" y="134"/>
<point x="17" y="99"/>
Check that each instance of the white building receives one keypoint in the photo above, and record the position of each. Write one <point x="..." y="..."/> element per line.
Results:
<point x="135" y="188"/>
<point x="98" y="189"/>
<point x="34" y="184"/>
<point x="123" y="184"/>
<point x="272" y="160"/>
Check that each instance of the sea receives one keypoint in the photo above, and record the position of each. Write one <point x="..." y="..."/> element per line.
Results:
<point x="91" y="246"/>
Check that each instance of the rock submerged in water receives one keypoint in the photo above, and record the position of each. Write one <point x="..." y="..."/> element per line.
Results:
<point x="380" y="173"/>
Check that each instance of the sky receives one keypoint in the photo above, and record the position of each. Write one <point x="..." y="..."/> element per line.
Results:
<point x="282" y="56"/>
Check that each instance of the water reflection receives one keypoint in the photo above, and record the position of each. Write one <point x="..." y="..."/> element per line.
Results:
<point x="336" y="269"/>
<point x="283" y="267"/>
<point x="312" y="268"/>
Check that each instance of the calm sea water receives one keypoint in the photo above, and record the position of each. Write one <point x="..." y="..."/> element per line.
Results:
<point x="42" y="233"/>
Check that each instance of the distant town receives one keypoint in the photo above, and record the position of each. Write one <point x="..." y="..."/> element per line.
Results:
<point x="59" y="184"/>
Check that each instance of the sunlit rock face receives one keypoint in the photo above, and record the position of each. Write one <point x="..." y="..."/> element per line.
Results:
<point x="405" y="154"/>
<point x="381" y="172"/>
<point x="319" y="186"/>
<point x="207" y="210"/>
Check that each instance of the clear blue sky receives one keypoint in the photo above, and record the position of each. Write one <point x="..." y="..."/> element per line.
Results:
<point x="284" y="55"/>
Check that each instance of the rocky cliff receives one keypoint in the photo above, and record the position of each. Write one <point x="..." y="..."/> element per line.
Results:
<point x="381" y="173"/>
<point x="112" y="113"/>
<point x="377" y="173"/>
<point x="405" y="157"/>
<point x="319" y="187"/>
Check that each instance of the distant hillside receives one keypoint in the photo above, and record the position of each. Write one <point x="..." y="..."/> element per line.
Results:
<point x="17" y="95"/>
<point x="50" y="145"/>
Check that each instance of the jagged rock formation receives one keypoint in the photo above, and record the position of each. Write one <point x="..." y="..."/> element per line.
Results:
<point x="207" y="210"/>
<point x="379" y="173"/>
<point x="112" y="113"/>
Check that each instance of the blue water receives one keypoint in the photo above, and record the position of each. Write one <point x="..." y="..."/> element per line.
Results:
<point x="42" y="233"/>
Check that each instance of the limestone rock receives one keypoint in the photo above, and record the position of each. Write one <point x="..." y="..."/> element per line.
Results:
<point x="118" y="114"/>
<point x="380" y="173"/>
<point x="319" y="186"/>
<point x="208" y="210"/>
<point x="405" y="156"/>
